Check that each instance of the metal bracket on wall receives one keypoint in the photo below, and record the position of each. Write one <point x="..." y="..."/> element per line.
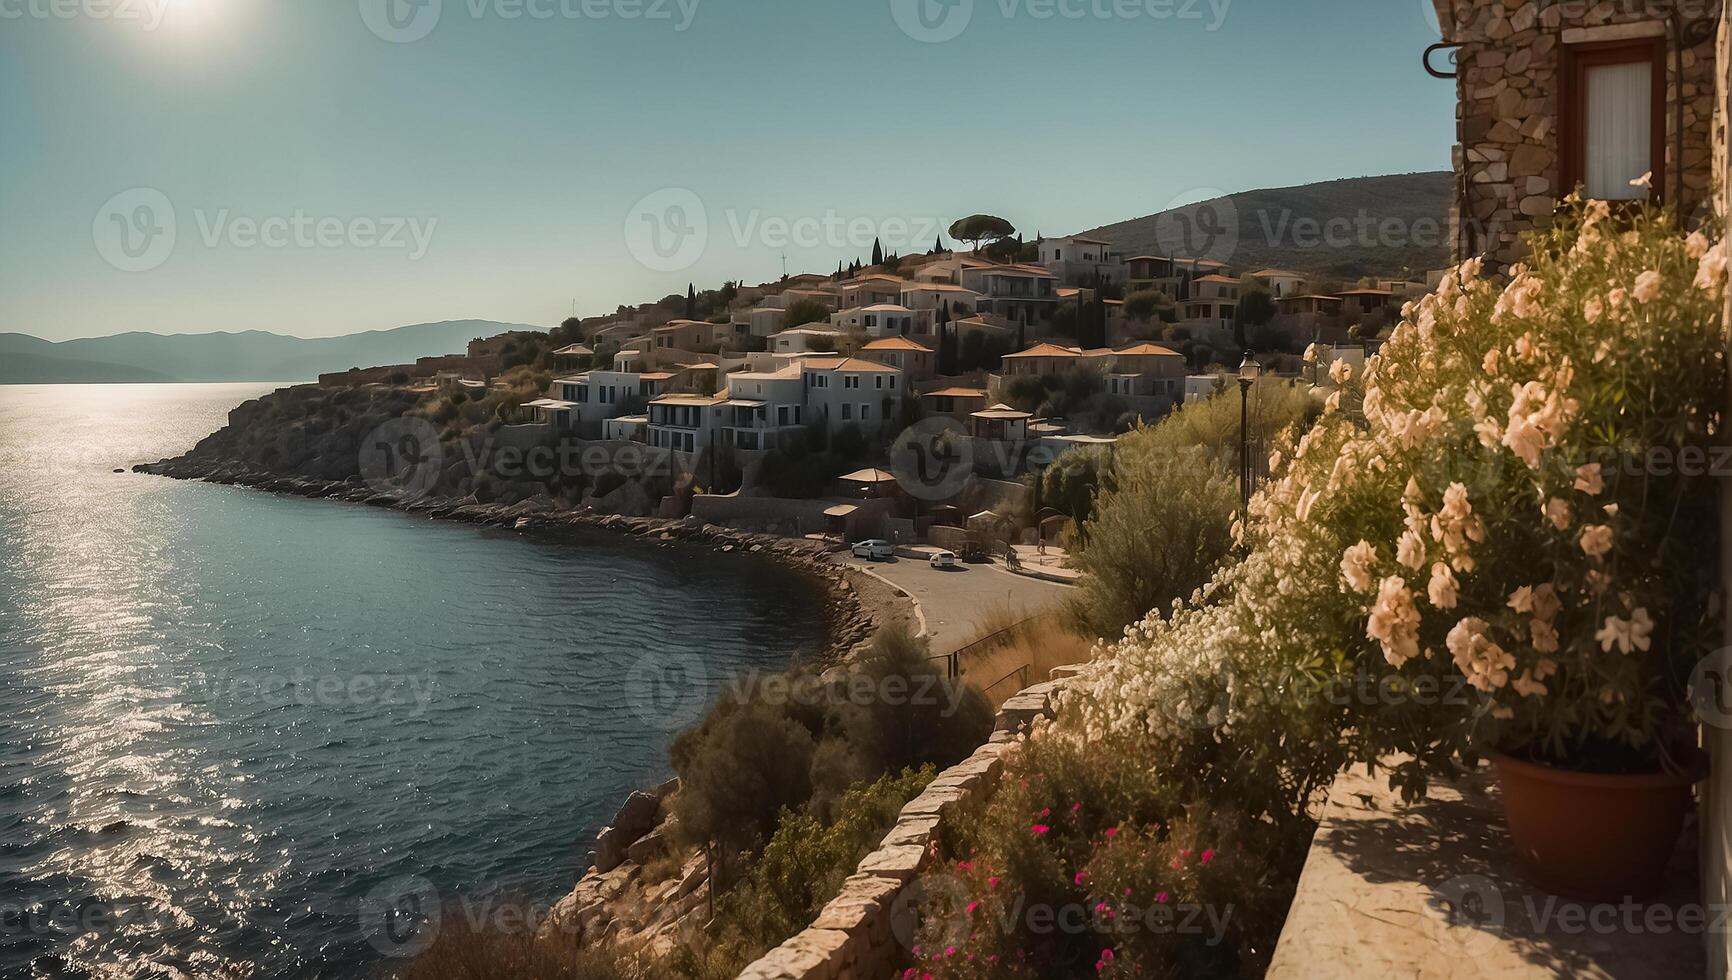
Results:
<point x="1453" y="47"/>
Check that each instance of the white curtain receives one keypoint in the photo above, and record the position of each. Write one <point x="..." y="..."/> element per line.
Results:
<point x="1620" y="119"/>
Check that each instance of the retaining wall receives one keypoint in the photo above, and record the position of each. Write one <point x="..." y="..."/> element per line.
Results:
<point x="866" y="930"/>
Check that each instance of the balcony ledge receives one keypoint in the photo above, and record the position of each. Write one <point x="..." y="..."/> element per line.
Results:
<point x="1431" y="891"/>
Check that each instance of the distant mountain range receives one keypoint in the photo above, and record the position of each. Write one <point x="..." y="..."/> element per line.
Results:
<point x="250" y="356"/>
<point x="1340" y="229"/>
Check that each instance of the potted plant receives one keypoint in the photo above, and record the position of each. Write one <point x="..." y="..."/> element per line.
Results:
<point x="1551" y="551"/>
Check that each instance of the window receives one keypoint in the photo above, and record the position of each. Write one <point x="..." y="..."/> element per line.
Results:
<point x="1613" y="120"/>
<point x="847" y="410"/>
<point x="865" y="412"/>
<point x="878" y="381"/>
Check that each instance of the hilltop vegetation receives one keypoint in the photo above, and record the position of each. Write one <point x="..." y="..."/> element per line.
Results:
<point x="1339" y="229"/>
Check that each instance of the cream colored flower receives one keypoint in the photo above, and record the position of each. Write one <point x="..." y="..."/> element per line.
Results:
<point x="1485" y="664"/>
<point x="1711" y="271"/>
<point x="1645" y="182"/>
<point x="1696" y="245"/>
<point x="1356" y="566"/>
<point x="1394" y="622"/>
<point x="1525" y="440"/>
<point x="1410" y="551"/>
<point x="1490" y="432"/>
<point x="1626" y="635"/>
<point x="1597" y="540"/>
<point x="1617" y="298"/>
<point x="1558" y="511"/>
<point x="1527" y="686"/>
<point x="1593" y="309"/>
<point x="1589" y="480"/>
<point x="1340" y="371"/>
<point x="1443" y="590"/>
<point x="1647" y="287"/>
<point x="1522" y="599"/>
<point x="1313" y="353"/>
<point x="1332" y="404"/>
<point x="1543" y="636"/>
<point x="1490" y="363"/>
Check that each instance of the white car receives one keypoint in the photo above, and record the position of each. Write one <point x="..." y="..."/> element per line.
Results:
<point x="944" y="559"/>
<point x="875" y="549"/>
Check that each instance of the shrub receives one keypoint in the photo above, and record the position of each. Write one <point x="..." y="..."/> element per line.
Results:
<point x="798" y="872"/>
<point x="738" y="770"/>
<point x="463" y="952"/>
<point x="917" y="714"/>
<point x="1139" y="883"/>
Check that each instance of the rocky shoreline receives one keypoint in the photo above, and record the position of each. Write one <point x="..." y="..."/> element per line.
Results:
<point x="852" y="624"/>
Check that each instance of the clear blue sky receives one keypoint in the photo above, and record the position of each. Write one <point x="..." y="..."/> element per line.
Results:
<point x="520" y="146"/>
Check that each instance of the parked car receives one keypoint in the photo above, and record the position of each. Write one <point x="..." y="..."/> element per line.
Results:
<point x="944" y="559"/>
<point x="974" y="552"/>
<point x="876" y="549"/>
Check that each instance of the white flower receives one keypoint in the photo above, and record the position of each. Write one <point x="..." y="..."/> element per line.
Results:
<point x="1589" y="480"/>
<point x="1593" y="309"/>
<point x="1332" y="404"/>
<point x="1443" y="591"/>
<point x="1356" y="566"/>
<point x="1307" y="501"/>
<point x="1646" y="181"/>
<point x="1626" y="635"/>
<point x="1597" y="540"/>
<point x="1696" y="245"/>
<point x="1312" y="353"/>
<point x="1491" y="361"/>
<point x="1340" y="371"/>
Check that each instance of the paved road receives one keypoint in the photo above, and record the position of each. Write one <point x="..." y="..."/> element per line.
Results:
<point x="953" y="600"/>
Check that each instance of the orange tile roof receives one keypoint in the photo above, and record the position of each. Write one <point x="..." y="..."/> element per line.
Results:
<point x="1272" y="273"/>
<point x="897" y="343"/>
<point x="1047" y="350"/>
<point x="1214" y="278"/>
<point x="956" y="393"/>
<point x="1147" y="349"/>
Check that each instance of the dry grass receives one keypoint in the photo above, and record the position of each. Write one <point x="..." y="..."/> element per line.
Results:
<point x="1022" y="651"/>
<point x="463" y="952"/>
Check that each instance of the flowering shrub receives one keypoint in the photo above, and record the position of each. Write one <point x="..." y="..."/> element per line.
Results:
<point x="1497" y="536"/>
<point x="1128" y="884"/>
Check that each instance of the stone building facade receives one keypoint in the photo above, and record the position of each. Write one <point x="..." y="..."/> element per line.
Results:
<point x="1550" y="95"/>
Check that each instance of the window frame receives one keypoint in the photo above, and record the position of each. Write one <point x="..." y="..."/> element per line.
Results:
<point x="1576" y="59"/>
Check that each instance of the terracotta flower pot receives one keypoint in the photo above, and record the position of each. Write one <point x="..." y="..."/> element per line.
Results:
<point x="1593" y="837"/>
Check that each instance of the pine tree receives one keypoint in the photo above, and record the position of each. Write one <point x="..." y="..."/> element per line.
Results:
<point x="691" y="301"/>
<point x="877" y="252"/>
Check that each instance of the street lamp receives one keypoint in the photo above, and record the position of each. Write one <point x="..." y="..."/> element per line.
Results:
<point x="1249" y="372"/>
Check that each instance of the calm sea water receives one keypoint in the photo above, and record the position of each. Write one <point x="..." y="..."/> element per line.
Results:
<point x="234" y="726"/>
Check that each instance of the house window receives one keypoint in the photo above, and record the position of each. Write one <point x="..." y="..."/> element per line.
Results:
<point x="865" y="412"/>
<point x="1614" y="118"/>
<point x="847" y="410"/>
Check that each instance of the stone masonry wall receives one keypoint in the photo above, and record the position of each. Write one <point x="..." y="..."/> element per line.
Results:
<point x="1507" y="154"/>
<point x="864" y="933"/>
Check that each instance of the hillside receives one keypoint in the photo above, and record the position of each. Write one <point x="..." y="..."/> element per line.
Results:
<point x="1340" y="229"/>
<point x="250" y="356"/>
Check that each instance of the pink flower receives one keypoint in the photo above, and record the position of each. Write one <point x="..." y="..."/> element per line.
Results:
<point x="1112" y="832"/>
<point x="1074" y="807"/>
<point x="1208" y="855"/>
<point x="971" y="907"/>
<point x="992" y="882"/>
<point x="1047" y="812"/>
<point x="1039" y="829"/>
<point x="1081" y="876"/>
<point x="1161" y="899"/>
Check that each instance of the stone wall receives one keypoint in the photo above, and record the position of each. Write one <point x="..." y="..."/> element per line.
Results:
<point x="866" y="931"/>
<point x="1507" y="153"/>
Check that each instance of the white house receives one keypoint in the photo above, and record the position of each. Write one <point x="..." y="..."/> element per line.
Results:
<point x="1281" y="283"/>
<point x="1081" y="260"/>
<point x="764" y="408"/>
<point x="871" y="291"/>
<point x="852" y="391"/>
<point x="1022" y="293"/>
<point x="685" y="423"/>
<point x="809" y="339"/>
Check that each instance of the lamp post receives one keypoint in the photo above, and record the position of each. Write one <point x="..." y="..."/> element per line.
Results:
<point x="1249" y="372"/>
